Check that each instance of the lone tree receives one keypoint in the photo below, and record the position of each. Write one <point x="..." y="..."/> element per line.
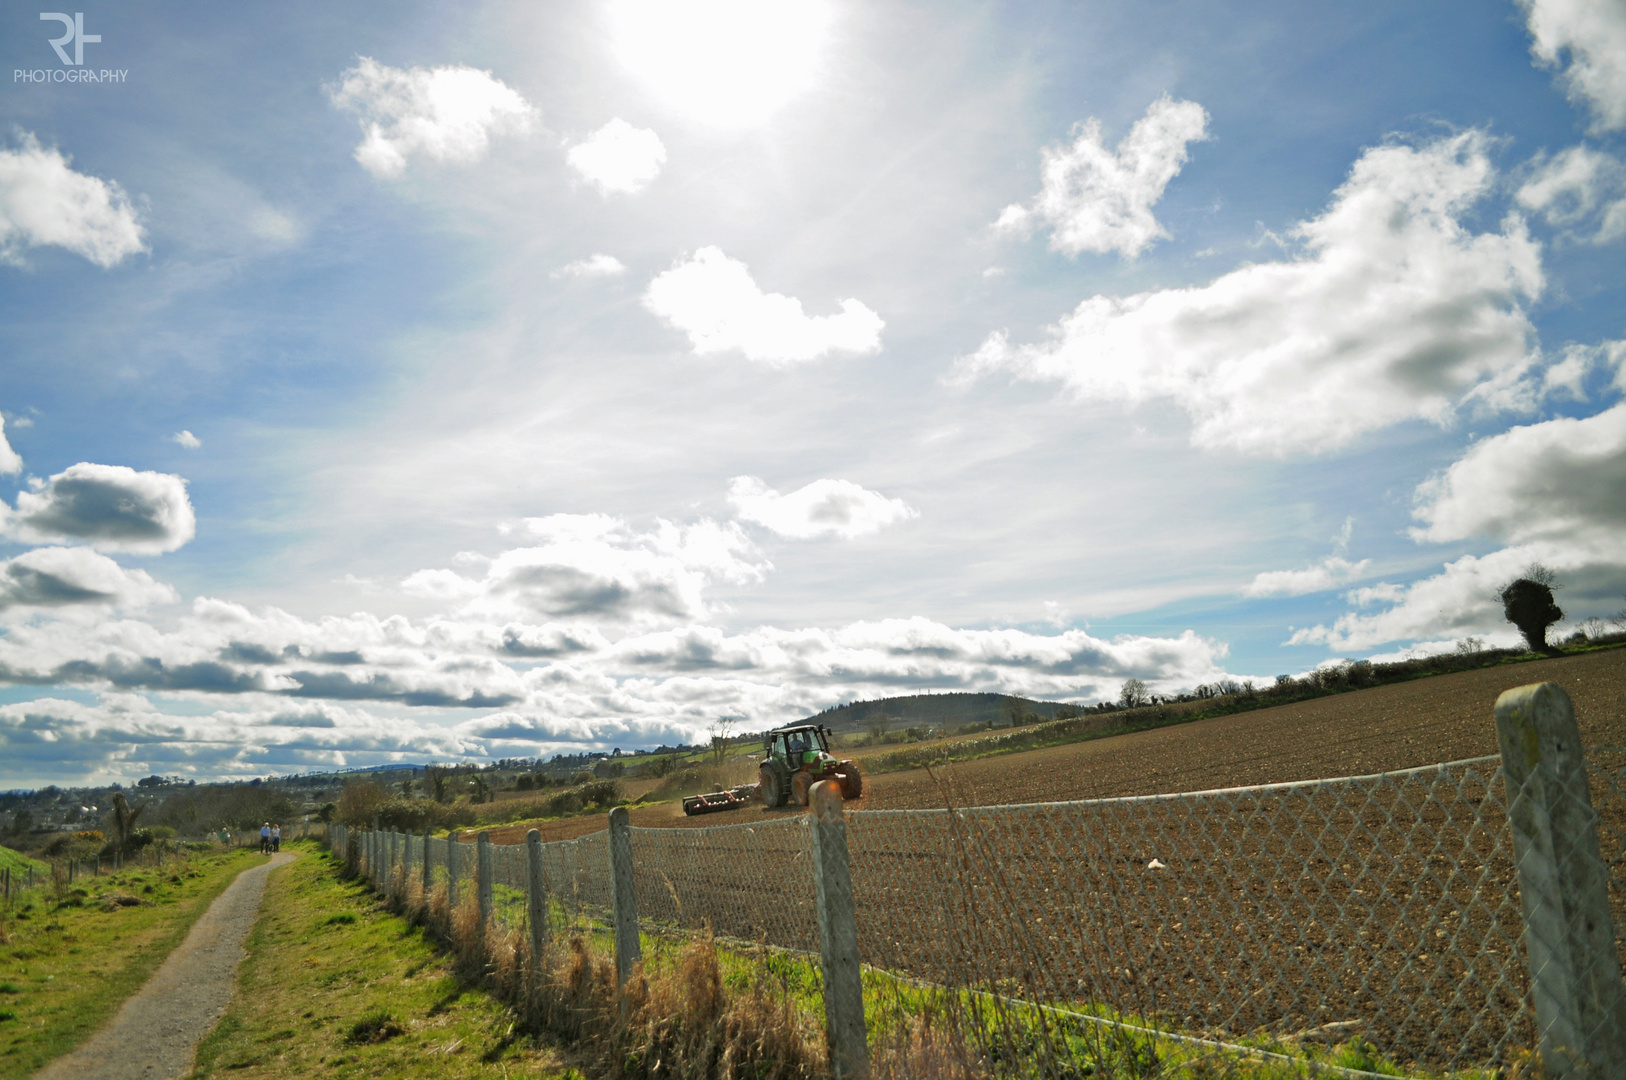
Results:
<point x="1528" y="604"/>
<point x="1133" y="695"/>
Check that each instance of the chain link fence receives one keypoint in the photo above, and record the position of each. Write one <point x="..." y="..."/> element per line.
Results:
<point x="1383" y="909"/>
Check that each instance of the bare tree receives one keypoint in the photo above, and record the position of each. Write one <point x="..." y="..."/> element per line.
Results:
<point x="722" y="729"/>
<point x="123" y="817"/>
<point x="1133" y="694"/>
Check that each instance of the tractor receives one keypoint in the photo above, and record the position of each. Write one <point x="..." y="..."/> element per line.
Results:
<point x="795" y="758"/>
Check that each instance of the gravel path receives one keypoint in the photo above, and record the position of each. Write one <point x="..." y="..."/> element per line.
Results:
<point x="156" y="1032"/>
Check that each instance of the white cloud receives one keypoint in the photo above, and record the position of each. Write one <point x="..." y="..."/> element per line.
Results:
<point x="594" y="266"/>
<point x="447" y="113"/>
<point x="821" y="508"/>
<point x="592" y="566"/>
<point x="1554" y="491"/>
<point x="1329" y="573"/>
<point x="43" y="201"/>
<point x="1562" y="480"/>
<point x="186" y="439"/>
<point x="109" y="506"/>
<point x="712" y="299"/>
<point x="11" y="463"/>
<point x="1582" y="191"/>
<point x="57" y="577"/>
<point x="1095" y="199"/>
<point x="1395" y="312"/>
<point x="619" y="158"/>
<point x="1585" y="41"/>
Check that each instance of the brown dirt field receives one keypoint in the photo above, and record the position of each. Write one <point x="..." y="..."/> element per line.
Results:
<point x="1390" y="906"/>
<point x="1445" y="718"/>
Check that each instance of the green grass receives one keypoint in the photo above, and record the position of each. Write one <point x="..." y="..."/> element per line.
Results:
<point x="69" y="969"/>
<point x="335" y="986"/>
<point x="18" y="864"/>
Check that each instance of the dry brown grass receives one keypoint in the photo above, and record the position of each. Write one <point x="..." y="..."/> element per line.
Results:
<point x="677" y="1020"/>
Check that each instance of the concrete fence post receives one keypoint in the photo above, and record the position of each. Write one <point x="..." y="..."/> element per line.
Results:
<point x="428" y="865"/>
<point x="451" y="871"/>
<point x="838" y="936"/>
<point x="536" y="899"/>
<point x="389" y="866"/>
<point x="1569" y="936"/>
<point x="482" y="867"/>
<point x="623" y="895"/>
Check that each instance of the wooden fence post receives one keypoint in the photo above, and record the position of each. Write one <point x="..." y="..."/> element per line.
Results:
<point x="536" y="899"/>
<point x="1563" y="886"/>
<point x="482" y="881"/>
<point x="428" y="867"/>
<point x="623" y="895"/>
<point x="451" y="872"/>
<point x="838" y="936"/>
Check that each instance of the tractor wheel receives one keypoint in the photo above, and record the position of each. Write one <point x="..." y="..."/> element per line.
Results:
<point x="852" y="783"/>
<point x="774" y="784"/>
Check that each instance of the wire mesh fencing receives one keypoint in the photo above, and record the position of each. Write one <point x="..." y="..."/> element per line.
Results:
<point x="1405" y="912"/>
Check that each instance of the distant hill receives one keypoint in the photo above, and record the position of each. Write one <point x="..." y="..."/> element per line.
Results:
<point x="936" y="710"/>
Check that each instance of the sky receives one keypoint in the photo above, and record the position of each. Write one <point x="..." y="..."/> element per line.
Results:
<point x="481" y="380"/>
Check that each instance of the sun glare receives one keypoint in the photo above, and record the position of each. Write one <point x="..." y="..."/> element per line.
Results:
<point x="729" y="63"/>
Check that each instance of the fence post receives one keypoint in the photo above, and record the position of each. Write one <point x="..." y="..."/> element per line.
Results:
<point x="536" y="900"/>
<point x="428" y="868"/>
<point x="451" y="872"/>
<point x="623" y="895"/>
<point x="482" y="868"/>
<point x="838" y="936"/>
<point x="1563" y="886"/>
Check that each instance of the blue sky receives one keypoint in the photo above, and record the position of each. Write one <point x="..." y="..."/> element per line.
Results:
<point x="507" y="379"/>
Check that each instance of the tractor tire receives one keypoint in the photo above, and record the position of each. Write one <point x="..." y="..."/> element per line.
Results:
<point x="774" y="784"/>
<point x="852" y="783"/>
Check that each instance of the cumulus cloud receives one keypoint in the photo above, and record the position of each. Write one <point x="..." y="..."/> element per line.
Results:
<point x="1581" y="191"/>
<point x="618" y="158"/>
<point x="1554" y="491"/>
<point x="1395" y="312"/>
<point x="594" y="266"/>
<point x="446" y="113"/>
<point x="823" y="508"/>
<point x="1330" y="573"/>
<point x="1562" y="480"/>
<point x="44" y="201"/>
<point x="1096" y="199"/>
<point x="11" y="463"/>
<point x="713" y="299"/>
<point x="598" y="567"/>
<point x="1585" y="42"/>
<point x="186" y="439"/>
<point x="112" y="507"/>
<point x="57" y="577"/>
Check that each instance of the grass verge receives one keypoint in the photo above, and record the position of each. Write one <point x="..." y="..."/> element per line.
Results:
<point x="66" y="967"/>
<point x="335" y="986"/>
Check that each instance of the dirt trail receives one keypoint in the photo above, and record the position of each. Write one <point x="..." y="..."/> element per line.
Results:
<point x="156" y="1032"/>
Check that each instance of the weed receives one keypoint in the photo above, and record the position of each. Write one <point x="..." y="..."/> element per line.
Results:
<point x="375" y="1027"/>
<point x="343" y="918"/>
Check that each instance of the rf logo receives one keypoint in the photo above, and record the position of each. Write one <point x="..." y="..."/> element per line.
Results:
<point x="75" y="26"/>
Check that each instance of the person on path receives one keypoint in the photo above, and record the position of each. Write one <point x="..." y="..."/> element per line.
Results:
<point x="265" y="839"/>
<point x="276" y="839"/>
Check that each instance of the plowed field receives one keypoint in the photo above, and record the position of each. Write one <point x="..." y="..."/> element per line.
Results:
<point x="1446" y="718"/>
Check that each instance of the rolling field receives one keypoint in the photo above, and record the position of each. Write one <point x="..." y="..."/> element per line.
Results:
<point x="1444" y="718"/>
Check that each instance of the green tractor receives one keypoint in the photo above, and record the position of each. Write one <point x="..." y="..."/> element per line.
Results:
<point x="795" y="758"/>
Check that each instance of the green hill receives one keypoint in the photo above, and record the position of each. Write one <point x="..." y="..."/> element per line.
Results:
<point x="944" y="711"/>
<point x="18" y="862"/>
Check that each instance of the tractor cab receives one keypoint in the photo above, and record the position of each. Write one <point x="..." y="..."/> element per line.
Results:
<point x="795" y="758"/>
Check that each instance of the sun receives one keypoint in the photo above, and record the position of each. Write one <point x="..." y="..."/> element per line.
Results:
<point x="726" y="63"/>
